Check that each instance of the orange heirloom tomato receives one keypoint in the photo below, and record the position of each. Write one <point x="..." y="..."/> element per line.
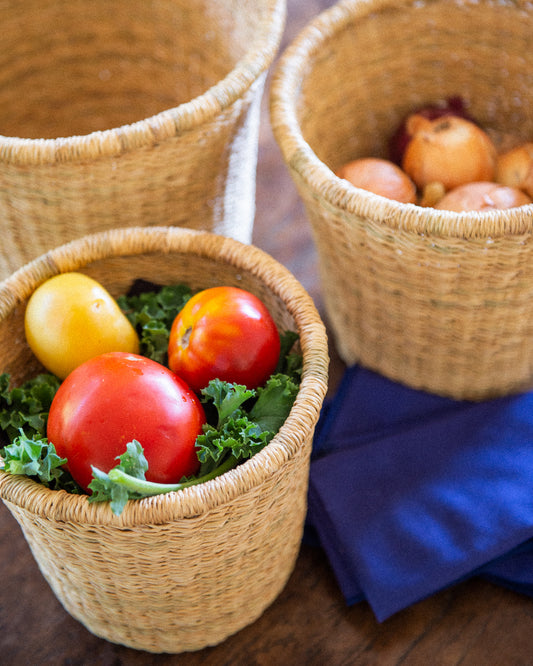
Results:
<point x="225" y="333"/>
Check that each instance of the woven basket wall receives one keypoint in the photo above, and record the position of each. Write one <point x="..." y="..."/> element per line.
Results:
<point x="440" y="301"/>
<point x="129" y="113"/>
<point x="185" y="570"/>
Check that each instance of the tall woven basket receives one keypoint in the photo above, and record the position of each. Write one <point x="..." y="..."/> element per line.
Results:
<point x="437" y="300"/>
<point x="181" y="571"/>
<point x="120" y="113"/>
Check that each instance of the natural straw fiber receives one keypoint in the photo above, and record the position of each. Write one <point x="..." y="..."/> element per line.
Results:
<point x="440" y="301"/>
<point x="185" y="570"/>
<point x="129" y="113"/>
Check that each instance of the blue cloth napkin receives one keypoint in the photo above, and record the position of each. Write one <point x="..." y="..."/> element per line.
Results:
<point x="410" y="492"/>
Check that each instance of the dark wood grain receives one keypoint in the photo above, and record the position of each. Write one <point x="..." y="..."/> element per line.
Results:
<point x="472" y="624"/>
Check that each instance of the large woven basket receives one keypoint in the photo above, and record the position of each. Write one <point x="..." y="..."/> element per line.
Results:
<point x="121" y="113"/>
<point x="184" y="570"/>
<point x="437" y="300"/>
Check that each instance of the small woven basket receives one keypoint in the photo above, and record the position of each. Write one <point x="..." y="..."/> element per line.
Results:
<point x="184" y="570"/>
<point x="436" y="300"/>
<point x="129" y="113"/>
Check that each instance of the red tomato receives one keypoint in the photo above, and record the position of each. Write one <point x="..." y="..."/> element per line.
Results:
<point x="116" y="397"/>
<point x="225" y="333"/>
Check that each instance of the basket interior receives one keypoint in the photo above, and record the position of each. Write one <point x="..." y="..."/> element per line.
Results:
<point x="68" y="67"/>
<point x="117" y="274"/>
<point x="373" y="62"/>
<point x="166" y="255"/>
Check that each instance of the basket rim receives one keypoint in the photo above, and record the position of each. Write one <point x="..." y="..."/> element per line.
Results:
<point x="166" y="124"/>
<point x="336" y="193"/>
<point x="200" y="499"/>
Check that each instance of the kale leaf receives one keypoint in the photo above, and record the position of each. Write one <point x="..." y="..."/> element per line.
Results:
<point x="35" y="458"/>
<point x="237" y="435"/>
<point x="26" y="406"/>
<point x="151" y="313"/>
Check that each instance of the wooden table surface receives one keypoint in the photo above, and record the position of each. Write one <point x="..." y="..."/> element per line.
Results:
<point x="474" y="623"/>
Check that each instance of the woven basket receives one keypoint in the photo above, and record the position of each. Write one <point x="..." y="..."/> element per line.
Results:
<point x="185" y="570"/>
<point x="437" y="300"/>
<point x="129" y="113"/>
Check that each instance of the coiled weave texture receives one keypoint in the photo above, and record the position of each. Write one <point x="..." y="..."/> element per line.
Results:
<point x="129" y="113"/>
<point x="437" y="300"/>
<point x="185" y="570"/>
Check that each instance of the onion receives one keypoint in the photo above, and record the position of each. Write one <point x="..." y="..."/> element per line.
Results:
<point x="482" y="196"/>
<point x="380" y="177"/>
<point x="453" y="106"/>
<point x="515" y="168"/>
<point x="450" y="150"/>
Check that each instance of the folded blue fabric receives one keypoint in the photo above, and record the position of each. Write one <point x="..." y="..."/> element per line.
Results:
<point x="410" y="492"/>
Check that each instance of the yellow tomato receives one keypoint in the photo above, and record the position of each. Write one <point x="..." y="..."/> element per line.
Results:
<point x="70" y="318"/>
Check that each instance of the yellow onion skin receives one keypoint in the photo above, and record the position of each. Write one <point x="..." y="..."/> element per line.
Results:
<point x="515" y="168"/>
<point x="450" y="150"/>
<point x="482" y="196"/>
<point x="452" y="106"/>
<point x="379" y="176"/>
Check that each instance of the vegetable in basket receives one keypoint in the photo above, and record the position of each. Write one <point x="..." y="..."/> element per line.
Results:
<point x="115" y="398"/>
<point x="71" y="318"/>
<point x="514" y="167"/>
<point x="89" y="417"/>
<point x="225" y="333"/>
<point x="380" y="177"/>
<point x="482" y="196"/>
<point x="441" y="157"/>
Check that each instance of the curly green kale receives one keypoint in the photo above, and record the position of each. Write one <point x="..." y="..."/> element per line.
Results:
<point x="237" y="435"/>
<point x="26" y="406"/>
<point x="151" y="313"/>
